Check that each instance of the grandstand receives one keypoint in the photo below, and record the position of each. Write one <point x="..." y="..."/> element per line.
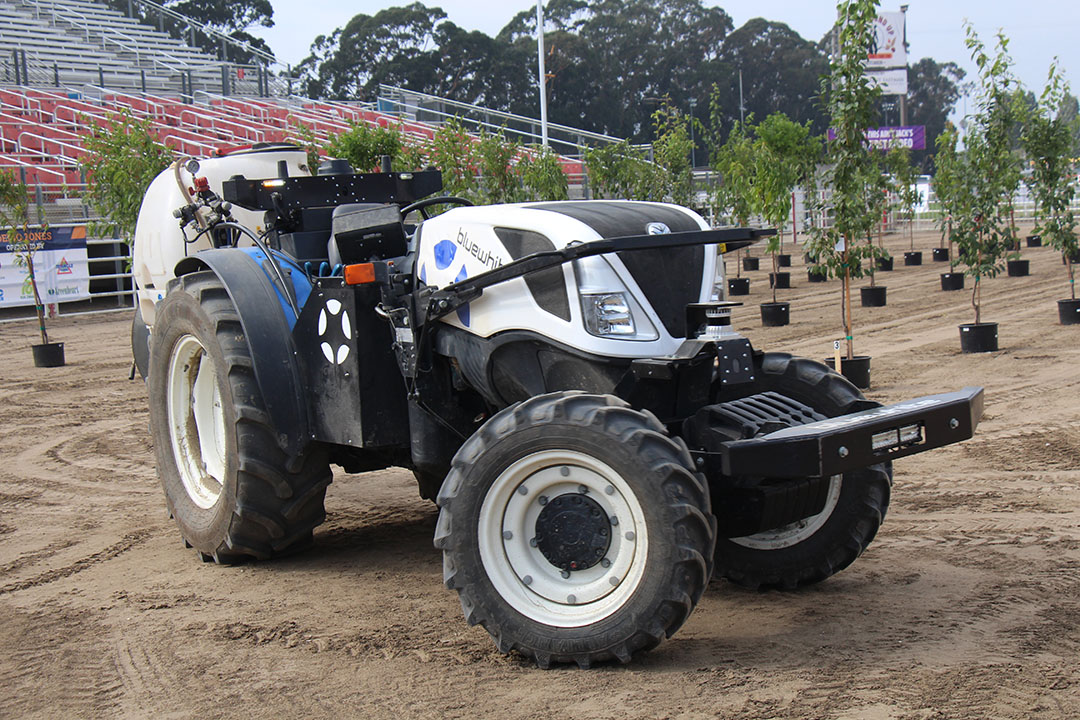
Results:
<point x="66" y="65"/>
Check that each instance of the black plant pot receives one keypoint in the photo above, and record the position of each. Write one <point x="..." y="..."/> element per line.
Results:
<point x="1069" y="312"/>
<point x="857" y="370"/>
<point x="884" y="264"/>
<point x="941" y="254"/>
<point x="48" y="354"/>
<point x="1017" y="268"/>
<point x="873" y="296"/>
<point x="979" y="337"/>
<point x="775" y="314"/>
<point x="783" y="260"/>
<point x="1034" y="240"/>
<point x="780" y="280"/>
<point x="750" y="263"/>
<point x="952" y="281"/>
<point x="816" y="276"/>
<point x="1075" y="258"/>
<point x="738" y="286"/>
<point x="913" y="258"/>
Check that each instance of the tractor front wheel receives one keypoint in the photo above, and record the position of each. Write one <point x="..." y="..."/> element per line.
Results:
<point x="574" y="529"/>
<point x="814" y="548"/>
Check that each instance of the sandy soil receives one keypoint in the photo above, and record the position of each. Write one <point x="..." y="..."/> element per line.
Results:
<point x="966" y="606"/>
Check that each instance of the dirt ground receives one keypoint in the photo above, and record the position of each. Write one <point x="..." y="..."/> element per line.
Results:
<point x="966" y="606"/>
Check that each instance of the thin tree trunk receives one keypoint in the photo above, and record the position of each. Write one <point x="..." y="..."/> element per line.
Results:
<point x="975" y="298"/>
<point x="911" y="227"/>
<point x="873" y="260"/>
<point x="847" y="303"/>
<point x="1012" y="230"/>
<point x="1072" y="279"/>
<point x="775" y="273"/>
<point x="38" y="306"/>
<point x="794" y="229"/>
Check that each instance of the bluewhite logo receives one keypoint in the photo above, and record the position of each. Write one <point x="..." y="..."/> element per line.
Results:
<point x="657" y="228"/>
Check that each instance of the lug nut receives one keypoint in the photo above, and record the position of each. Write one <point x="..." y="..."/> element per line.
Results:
<point x="582" y="489"/>
<point x="614" y="520"/>
<point x="609" y="490"/>
<point x="543" y="499"/>
<point x="613" y="580"/>
<point x="605" y="563"/>
<point x="565" y="574"/>
<point x="532" y="542"/>
<point x="523" y="490"/>
<point x="507" y="535"/>
<point x="564" y="471"/>
<point x="527" y="579"/>
<point x="572" y="599"/>
<point x="629" y="536"/>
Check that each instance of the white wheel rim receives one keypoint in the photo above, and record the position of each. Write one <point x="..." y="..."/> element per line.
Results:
<point x="793" y="534"/>
<point x="196" y="421"/>
<point x="523" y="576"/>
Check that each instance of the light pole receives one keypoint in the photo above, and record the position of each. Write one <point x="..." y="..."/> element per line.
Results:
<point x="543" y="72"/>
<point x="693" y="143"/>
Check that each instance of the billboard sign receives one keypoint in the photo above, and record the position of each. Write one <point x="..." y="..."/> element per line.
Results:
<point x="912" y="137"/>
<point x="887" y="47"/>
<point x="60" y="265"/>
<point x="891" y="82"/>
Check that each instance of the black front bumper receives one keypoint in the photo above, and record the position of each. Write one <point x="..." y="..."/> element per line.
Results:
<point x="836" y="445"/>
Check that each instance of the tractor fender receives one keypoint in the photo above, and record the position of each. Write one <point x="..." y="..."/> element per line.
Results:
<point x="267" y="322"/>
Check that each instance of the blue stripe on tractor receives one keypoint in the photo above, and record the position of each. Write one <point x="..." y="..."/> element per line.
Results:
<point x="299" y="279"/>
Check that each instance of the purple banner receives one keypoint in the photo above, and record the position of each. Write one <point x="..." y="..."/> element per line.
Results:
<point x="912" y="137"/>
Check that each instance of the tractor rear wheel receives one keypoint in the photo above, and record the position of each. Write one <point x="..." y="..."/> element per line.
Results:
<point x="574" y="529"/>
<point x="814" y="548"/>
<point x="232" y="490"/>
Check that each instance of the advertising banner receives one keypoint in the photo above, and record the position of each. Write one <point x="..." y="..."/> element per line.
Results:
<point x="892" y="82"/>
<point x="60" y="265"/>
<point x="912" y="137"/>
<point x="887" y="48"/>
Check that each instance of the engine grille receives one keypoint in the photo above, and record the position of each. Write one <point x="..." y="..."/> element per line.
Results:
<point x="670" y="279"/>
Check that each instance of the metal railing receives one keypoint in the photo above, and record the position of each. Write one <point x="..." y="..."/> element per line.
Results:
<point x="422" y="107"/>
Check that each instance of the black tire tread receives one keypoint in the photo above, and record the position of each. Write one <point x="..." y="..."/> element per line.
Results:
<point x="275" y="508"/>
<point x="694" y="528"/>
<point x="831" y="394"/>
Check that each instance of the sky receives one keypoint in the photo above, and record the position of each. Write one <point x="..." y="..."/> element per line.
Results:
<point x="1037" y="29"/>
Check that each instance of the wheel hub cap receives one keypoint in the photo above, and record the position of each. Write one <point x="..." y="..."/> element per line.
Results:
<point x="573" y="532"/>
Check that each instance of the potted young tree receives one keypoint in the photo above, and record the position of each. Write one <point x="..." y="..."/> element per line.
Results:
<point x="783" y="151"/>
<point x="879" y="187"/>
<point x="947" y="183"/>
<point x="15" y="226"/>
<point x="1050" y="144"/>
<point x="907" y="196"/>
<point x="982" y="230"/>
<point x="733" y="160"/>
<point x="851" y="102"/>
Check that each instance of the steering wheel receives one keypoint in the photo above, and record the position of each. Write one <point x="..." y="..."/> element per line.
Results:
<point x="423" y="205"/>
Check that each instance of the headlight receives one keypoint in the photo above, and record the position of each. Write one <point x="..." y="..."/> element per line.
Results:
<point x="608" y="308"/>
<point x="607" y="314"/>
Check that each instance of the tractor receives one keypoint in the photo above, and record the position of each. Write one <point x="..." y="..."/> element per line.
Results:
<point x="562" y="379"/>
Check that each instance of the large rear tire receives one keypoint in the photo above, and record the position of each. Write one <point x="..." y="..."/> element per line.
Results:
<point x="574" y="529"/>
<point x="812" y="549"/>
<point x="232" y="490"/>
